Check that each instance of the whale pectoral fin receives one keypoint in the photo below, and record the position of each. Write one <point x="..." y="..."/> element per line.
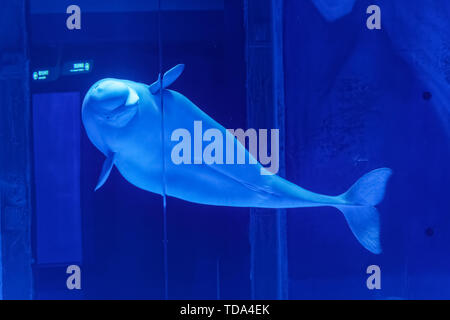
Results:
<point x="172" y="75"/>
<point x="155" y="86"/>
<point x="106" y="170"/>
<point x="169" y="77"/>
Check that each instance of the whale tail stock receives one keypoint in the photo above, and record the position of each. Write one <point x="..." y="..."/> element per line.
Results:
<point x="360" y="213"/>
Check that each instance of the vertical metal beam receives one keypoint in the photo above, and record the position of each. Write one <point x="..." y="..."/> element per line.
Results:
<point x="15" y="156"/>
<point x="1" y="255"/>
<point x="265" y="109"/>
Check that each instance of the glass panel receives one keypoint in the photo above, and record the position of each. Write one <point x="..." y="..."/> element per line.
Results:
<point x="56" y="126"/>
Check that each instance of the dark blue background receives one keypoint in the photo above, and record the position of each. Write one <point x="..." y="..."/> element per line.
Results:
<point x="353" y="105"/>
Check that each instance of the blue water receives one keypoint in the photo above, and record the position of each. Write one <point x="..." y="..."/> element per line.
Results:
<point x="355" y="100"/>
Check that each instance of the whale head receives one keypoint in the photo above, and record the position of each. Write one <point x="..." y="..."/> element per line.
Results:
<point x="112" y="102"/>
<point x="123" y="117"/>
<point x="108" y="111"/>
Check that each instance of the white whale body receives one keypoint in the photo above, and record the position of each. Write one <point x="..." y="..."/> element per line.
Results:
<point x="123" y="120"/>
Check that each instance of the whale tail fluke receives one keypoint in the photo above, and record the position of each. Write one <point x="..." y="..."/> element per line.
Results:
<point x="360" y="213"/>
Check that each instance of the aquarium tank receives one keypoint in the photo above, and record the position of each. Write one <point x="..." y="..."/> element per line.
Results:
<point x="225" y="149"/>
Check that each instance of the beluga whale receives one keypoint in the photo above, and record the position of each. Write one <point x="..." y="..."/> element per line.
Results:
<point x="123" y="119"/>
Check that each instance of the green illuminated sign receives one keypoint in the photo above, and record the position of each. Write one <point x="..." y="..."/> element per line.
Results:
<point x="44" y="74"/>
<point x="68" y="68"/>
<point x="76" y="67"/>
